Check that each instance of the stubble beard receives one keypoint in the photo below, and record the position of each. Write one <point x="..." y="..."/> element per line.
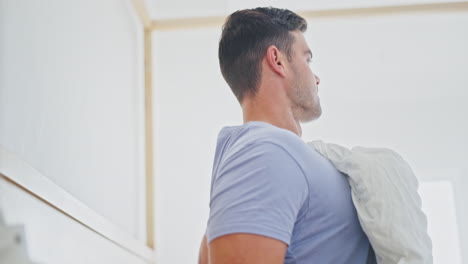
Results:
<point x="305" y="106"/>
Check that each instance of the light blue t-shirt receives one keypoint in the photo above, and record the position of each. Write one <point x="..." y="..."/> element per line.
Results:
<point x="267" y="181"/>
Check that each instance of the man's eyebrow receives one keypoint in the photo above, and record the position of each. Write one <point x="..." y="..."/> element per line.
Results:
<point x="309" y="52"/>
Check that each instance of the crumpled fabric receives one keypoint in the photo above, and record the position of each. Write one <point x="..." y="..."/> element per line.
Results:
<point x="384" y="192"/>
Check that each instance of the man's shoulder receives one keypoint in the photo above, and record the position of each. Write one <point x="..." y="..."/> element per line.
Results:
<point x="259" y="133"/>
<point x="239" y="146"/>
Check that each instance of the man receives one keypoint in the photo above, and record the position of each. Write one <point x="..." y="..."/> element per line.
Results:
<point x="274" y="199"/>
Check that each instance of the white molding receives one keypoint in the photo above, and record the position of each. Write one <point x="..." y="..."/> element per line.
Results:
<point x="145" y="19"/>
<point x="139" y="28"/>
<point x="20" y="173"/>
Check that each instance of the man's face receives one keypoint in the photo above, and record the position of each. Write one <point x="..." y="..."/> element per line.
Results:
<point x="303" y="92"/>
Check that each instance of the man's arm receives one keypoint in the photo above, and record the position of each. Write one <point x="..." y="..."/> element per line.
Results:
<point x="203" y="255"/>
<point x="254" y="205"/>
<point x="242" y="248"/>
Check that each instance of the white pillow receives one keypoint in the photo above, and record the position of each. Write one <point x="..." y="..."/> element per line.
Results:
<point x="384" y="192"/>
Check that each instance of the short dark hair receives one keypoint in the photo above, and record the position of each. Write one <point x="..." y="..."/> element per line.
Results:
<point x="246" y="36"/>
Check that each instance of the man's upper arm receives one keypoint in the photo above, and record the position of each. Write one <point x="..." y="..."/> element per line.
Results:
<point x="255" y="201"/>
<point x="246" y="248"/>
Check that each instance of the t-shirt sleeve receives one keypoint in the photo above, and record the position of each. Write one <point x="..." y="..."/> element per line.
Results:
<point x="259" y="190"/>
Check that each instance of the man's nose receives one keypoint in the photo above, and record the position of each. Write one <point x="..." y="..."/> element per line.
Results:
<point x="317" y="79"/>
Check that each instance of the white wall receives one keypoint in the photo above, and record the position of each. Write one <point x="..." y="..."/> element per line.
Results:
<point x="191" y="103"/>
<point x="395" y="81"/>
<point x="71" y="100"/>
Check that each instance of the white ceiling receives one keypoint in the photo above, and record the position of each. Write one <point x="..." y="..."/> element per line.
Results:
<point x="171" y="9"/>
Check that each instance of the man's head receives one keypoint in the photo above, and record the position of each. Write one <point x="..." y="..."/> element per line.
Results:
<point x="249" y="36"/>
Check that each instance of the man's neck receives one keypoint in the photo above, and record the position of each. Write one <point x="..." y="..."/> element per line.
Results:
<point x="293" y="127"/>
<point x="282" y="118"/>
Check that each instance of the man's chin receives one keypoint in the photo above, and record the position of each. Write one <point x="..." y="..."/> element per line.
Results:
<point x="314" y="115"/>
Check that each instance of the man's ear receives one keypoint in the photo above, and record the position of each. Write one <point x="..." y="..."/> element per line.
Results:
<point x="275" y="60"/>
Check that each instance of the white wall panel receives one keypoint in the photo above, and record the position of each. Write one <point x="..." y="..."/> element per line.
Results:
<point x="71" y="100"/>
